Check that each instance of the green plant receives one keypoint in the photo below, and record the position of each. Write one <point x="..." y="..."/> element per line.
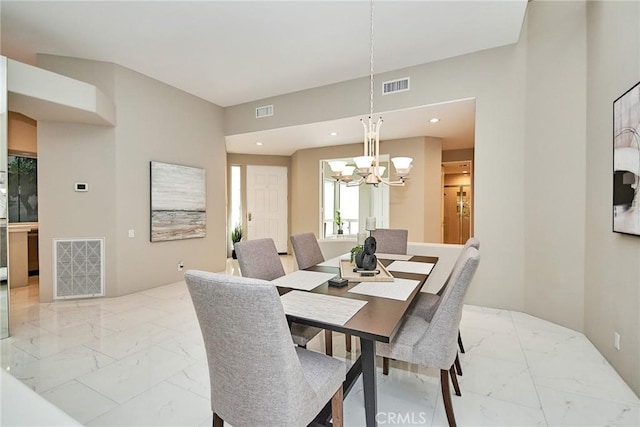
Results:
<point x="236" y="233"/>
<point x="355" y="250"/>
<point x="337" y="219"/>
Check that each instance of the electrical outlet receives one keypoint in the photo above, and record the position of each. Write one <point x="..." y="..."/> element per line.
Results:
<point x="616" y="340"/>
<point x="132" y="233"/>
<point x="180" y="266"/>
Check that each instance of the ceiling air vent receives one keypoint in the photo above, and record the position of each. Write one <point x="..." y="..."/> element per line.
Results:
<point x="264" y="111"/>
<point x="395" y="86"/>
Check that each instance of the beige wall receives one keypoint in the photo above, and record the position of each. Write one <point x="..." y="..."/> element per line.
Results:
<point x="154" y="122"/>
<point x="457" y="179"/>
<point x="457" y="155"/>
<point x="22" y="134"/>
<point x="160" y="123"/>
<point x="69" y="153"/>
<point x="612" y="274"/>
<point x="555" y="156"/>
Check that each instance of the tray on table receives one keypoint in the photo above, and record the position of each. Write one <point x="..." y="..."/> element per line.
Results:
<point x="346" y="271"/>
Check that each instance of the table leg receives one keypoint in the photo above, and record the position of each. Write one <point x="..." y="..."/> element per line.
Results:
<point x="368" y="357"/>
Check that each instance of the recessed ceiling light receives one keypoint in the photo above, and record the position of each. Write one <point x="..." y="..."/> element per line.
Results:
<point x="334" y="134"/>
<point x="259" y="144"/>
<point x="434" y="120"/>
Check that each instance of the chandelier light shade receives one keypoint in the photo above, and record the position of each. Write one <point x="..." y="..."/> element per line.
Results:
<point x="368" y="165"/>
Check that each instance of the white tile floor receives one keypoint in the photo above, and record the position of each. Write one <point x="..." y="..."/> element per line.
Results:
<point x="139" y="360"/>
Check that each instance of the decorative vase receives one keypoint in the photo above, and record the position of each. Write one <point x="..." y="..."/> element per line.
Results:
<point x="340" y="231"/>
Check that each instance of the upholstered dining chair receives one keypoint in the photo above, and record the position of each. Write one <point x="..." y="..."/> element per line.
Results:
<point x="257" y="376"/>
<point x="426" y="303"/>
<point x="433" y="343"/>
<point x="391" y="241"/>
<point x="258" y="259"/>
<point x="308" y="253"/>
<point x="306" y="250"/>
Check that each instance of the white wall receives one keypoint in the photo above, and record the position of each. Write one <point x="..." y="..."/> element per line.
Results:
<point x="154" y="122"/>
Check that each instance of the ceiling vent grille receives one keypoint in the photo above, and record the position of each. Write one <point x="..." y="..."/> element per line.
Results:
<point x="395" y="86"/>
<point x="264" y="111"/>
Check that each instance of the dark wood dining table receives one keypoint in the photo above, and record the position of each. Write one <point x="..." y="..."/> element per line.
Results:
<point x="377" y="321"/>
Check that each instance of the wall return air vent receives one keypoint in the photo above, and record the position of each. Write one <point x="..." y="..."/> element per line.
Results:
<point x="264" y="111"/>
<point x="78" y="268"/>
<point x="395" y="86"/>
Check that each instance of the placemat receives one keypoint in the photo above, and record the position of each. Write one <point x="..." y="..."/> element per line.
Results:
<point x="303" y="279"/>
<point x="399" y="289"/>
<point x="320" y="307"/>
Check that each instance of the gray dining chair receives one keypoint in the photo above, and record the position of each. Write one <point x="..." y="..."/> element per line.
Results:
<point x="391" y="241"/>
<point x="306" y="250"/>
<point x="308" y="253"/>
<point x="426" y="303"/>
<point x="433" y="343"/>
<point x="258" y="259"/>
<point x="257" y="376"/>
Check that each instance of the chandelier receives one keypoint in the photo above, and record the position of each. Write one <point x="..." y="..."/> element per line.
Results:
<point x="367" y="166"/>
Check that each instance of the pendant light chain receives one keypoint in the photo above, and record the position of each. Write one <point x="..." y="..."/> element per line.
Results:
<point x="368" y="165"/>
<point x="371" y="67"/>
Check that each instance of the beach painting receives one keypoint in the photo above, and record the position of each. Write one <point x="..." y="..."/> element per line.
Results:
<point x="178" y="202"/>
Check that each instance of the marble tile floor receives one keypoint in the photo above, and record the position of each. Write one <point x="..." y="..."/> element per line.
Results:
<point x="139" y="360"/>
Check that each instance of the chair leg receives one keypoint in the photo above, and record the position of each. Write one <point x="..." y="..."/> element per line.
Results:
<point x="347" y="341"/>
<point x="446" y="397"/>
<point x="337" y="419"/>
<point x="458" y="367"/>
<point x="385" y="365"/>
<point x="454" y="380"/>
<point x="460" y="342"/>
<point x="328" y="342"/>
<point x="217" y="421"/>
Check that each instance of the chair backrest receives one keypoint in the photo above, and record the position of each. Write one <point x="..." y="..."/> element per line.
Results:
<point x="439" y="345"/>
<point x="256" y="376"/>
<point x="471" y="242"/>
<point x="391" y="241"/>
<point x="306" y="250"/>
<point x="258" y="259"/>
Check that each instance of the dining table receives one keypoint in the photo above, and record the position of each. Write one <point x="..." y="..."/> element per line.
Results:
<point x="377" y="320"/>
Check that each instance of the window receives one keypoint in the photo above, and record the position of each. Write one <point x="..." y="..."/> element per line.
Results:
<point x="23" y="189"/>
<point x="236" y="204"/>
<point x="354" y="203"/>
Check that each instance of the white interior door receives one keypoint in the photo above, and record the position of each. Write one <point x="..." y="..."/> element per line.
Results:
<point x="267" y="204"/>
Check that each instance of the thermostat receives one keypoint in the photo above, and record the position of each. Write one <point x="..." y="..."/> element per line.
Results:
<point x="81" y="186"/>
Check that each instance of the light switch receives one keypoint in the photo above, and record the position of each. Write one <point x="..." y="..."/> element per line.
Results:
<point x="132" y="233"/>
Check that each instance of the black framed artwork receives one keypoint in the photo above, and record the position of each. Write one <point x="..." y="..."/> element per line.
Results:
<point x="626" y="162"/>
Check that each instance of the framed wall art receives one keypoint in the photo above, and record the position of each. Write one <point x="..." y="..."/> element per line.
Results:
<point x="178" y="202"/>
<point x="626" y="162"/>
